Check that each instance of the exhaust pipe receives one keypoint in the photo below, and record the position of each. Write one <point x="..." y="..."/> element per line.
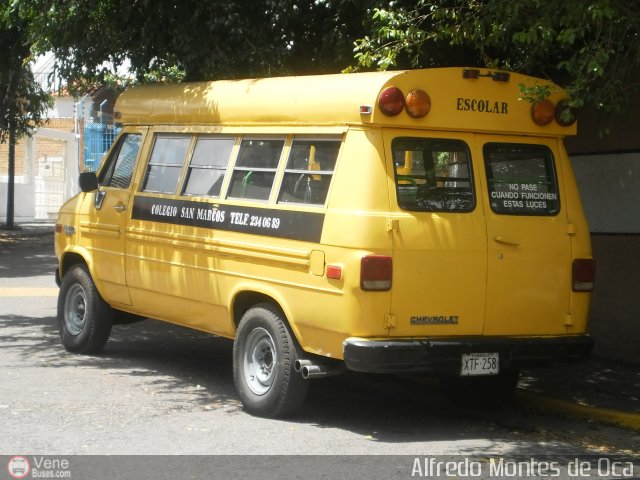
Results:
<point x="300" y="364"/>
<point x="308" y="369"/>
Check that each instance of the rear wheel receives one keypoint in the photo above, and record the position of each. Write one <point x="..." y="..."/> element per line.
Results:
<point x="84" y="319"/>
<point x="264" y="354"/>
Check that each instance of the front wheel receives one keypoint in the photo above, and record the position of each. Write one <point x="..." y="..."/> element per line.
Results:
<point x="264" y="354"/>
<point x="84" y="319"/>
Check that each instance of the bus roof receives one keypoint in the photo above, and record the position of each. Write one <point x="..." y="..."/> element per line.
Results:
<point x="479" y="104"/>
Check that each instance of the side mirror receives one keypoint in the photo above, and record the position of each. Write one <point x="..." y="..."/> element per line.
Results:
<point x="88" y="182"/>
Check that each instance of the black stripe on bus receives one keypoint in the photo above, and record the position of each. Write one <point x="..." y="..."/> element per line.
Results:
<point x="294" y="225"/>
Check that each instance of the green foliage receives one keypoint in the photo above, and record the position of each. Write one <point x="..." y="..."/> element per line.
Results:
<point x="195" y="40"/>
<point x="589" y="47"/>
<point x="534" y="93"/>
<point x="22" y="100"/>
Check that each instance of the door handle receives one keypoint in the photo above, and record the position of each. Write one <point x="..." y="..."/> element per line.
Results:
<point x="505" y="241"/>
<point x="120" y="207"/>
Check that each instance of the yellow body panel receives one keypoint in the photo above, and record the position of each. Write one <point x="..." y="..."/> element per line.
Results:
<point x="498" y="275"/>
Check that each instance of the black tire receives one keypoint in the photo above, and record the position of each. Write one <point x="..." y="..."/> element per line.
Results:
<point x="481" y="392"/>
<point x="84" y="318"/>
<point x="264" y="354"/>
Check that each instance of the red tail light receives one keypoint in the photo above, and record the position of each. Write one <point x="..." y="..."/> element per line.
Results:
<point x="391" y="101"/>
<point x="584" y="274"/>
<point x="376" y="272"/>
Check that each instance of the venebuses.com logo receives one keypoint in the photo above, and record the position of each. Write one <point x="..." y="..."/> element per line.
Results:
<point x="18" y="467"/>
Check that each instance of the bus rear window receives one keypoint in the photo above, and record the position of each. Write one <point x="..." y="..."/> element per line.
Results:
<point x="521" y="179"/>
<point x="433" y="175"/>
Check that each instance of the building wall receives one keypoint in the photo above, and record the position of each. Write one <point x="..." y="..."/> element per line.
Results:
<point x="615" y="306"/>
<point x="38" y="162"/>
<point x="607" y="169"/>
<point x="63" y="107"/>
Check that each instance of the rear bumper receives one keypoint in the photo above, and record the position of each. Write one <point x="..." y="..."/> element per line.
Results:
<point x="443" y="356"/>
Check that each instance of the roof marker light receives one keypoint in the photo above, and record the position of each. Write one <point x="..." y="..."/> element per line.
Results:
<point x="500" y="76"/>
<point x="495" y="76"/>
<point x="391" y="101"/>
<point x="470" y="73"/>
<point x="418" y="103"/>
<point x="365" y="109"/>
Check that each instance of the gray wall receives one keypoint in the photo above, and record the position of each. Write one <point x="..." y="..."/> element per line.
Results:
<point x="615" y="305"/>
<point x="610" y="190"/>
<point x="609" y="185"/>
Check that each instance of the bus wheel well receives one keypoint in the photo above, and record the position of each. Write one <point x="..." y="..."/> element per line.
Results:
<point x="245" y="300"/>
<point x="69" y="260"/>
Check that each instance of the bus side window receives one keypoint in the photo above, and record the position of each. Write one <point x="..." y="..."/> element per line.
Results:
<point x="208" y="165"/>
<point x="255" y="169"/>
<point x="309" y="171"/>
<point x="165" y="165"/>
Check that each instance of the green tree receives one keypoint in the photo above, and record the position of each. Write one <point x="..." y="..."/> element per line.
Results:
<point x="589" y="47"/>
<point x="22" y="100"/>
<point x="203" y="39"/>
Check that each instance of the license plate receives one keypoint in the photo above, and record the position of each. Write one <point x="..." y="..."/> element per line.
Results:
<point x="480" y="364"/>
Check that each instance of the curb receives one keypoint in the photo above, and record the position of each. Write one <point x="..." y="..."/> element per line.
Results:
<point x="26" y="232"/>
<point x="578" y="410"/>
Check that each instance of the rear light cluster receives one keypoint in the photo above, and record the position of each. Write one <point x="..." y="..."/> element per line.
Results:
<point x="544" y="111"/>
<point x="583" y="274"/>
<point x="392" y="102"/>
<point x="376" y="272"/>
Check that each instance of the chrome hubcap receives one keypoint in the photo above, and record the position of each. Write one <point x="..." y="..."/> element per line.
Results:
<point x="75" y="309"/>
<point x="259" y="361"/>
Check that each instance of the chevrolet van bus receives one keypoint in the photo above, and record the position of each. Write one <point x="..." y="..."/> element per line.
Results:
<point x="423" y="221"/>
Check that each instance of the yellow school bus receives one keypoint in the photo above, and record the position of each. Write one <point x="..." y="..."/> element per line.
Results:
<point x="423" y="221"/>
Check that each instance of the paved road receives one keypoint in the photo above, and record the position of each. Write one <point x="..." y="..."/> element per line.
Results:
<point x="161" y="389"/>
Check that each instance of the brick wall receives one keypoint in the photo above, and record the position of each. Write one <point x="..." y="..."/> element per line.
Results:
<point x="45" y="147"/>
<point x="4" y="159"/>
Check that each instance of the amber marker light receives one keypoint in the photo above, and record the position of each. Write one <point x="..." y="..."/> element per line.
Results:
<point x="418" y="103"/>
<point x="543" y="112"/>
<point x="565" y="119"/>
<point x="391" y="101"/>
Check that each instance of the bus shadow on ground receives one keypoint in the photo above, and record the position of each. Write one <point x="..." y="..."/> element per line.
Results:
<point x="193" y="370"/>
